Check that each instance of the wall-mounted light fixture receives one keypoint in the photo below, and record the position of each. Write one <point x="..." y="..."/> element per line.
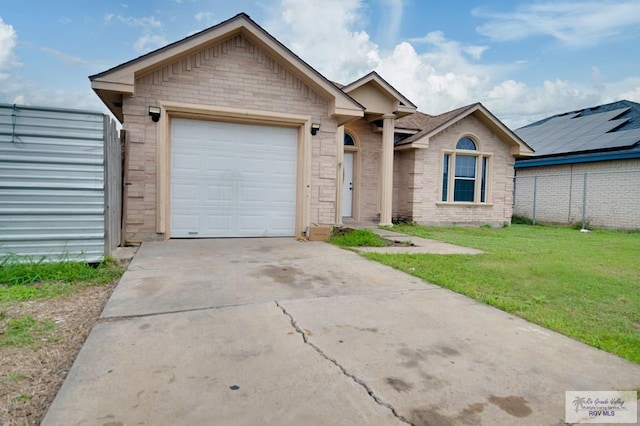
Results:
<point x="314" y="128"/>
<point x="154" y="112"/>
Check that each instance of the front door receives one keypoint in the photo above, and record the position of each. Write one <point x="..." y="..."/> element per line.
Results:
<point x="347" y="185"/>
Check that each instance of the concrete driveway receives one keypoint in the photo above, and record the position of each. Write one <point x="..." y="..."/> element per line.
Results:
<point x="275" y="331"/>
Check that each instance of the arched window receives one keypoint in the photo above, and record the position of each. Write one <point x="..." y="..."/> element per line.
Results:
<point x="464" y="173"/>
<point x="348" y="140"/>
<point x="466" y="143"/>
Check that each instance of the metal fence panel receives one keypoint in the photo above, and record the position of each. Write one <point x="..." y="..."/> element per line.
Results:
<point x="52" y="183"/>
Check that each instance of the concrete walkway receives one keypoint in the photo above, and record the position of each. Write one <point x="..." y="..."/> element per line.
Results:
<point x="274" y="331"/>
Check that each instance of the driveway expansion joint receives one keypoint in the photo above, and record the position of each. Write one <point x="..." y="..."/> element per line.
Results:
<point x="117" y="318"/>
<point x="342" y="369"/>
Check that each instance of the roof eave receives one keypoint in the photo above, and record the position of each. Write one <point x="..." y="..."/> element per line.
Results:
<point x="518" y="147"/>
<point x="404" y="105"/>
<point x="121" y="79"/>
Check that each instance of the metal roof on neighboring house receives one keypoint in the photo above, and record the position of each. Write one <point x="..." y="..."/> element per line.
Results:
<point x="603" y="132"/>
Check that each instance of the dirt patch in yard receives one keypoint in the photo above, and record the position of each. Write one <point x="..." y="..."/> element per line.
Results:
<point x="31" y="375"/>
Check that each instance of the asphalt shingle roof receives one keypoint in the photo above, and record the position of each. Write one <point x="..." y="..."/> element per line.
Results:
<point x="426" y="123"/>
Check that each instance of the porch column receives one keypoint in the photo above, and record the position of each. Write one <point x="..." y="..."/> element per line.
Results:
<point x="386" y="172"/>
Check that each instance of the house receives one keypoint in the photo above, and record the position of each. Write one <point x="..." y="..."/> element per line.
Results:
<point x="230" y="134"/>
<point x="586" y="167"/>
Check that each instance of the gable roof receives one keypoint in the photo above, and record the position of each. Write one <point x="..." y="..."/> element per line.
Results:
<point x="113" y="83"/>
<point x="404" y="105"/>
<point x="608" y="127"/>
<point x="430" y="125"/>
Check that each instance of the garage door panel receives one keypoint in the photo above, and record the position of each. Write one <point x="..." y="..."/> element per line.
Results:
<point x="220" y="223"/>
<point x="232" y="180"/>
<point x="220" y="162"/>
<point x="219" y="193"/>
<point x="280" y="223"/>
<point x="185" y="162"/>
<point x="252" y="223"/>
<point x="252" y="195"/>
<point x="186" y="221"/>
<point x="186" y="192"/>
<point x="281" y="194"/>
<point x="254" y="166"/>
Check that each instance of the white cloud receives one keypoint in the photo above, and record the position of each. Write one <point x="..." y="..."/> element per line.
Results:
<point x="73" y="61"/>
<point x="628" y="89"/>
<point x="325" y="36"/>
<point x="437" y="39"/>
<point x="392" y="19"/>
<point x="208" y="18"/>
<point x="146" y="22"/>
<point x="8" y="40"/>
<point x="574" y="24"/>
<point x="20" y="99"/>
<point x="16" y="90"/>
<point x="517" y="104"/>
<point x="24" y="92"/>
<point x="148" y="42"/>
<point x="152" y="31"/>
<point x="439" y="74"/>
<point x="436" y="81"/>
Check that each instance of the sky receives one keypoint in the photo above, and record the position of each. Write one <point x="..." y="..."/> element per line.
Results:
<point x="524" y="60"/>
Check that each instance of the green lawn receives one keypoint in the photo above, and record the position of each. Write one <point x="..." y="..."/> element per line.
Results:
<point x="358" y="238"/>
<point x="583" y="285"/>
<point x="26" y="279"/>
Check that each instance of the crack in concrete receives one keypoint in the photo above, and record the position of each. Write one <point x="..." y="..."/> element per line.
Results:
<point x="117" y="318"/>
<point x="179" y="311"/>
<point x="343" y="370"/>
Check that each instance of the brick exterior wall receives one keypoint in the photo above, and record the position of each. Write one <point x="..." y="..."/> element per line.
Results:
<point x="612" y="191"/>
<point x="403" y="184"/>
<point x="234" y="73"/>
<point x="368" y="157"/>
<point x="427" y="179"/>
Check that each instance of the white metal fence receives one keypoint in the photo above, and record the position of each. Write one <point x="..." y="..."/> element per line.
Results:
<point x="608" y="199"/>
<point x="57" y="196"/>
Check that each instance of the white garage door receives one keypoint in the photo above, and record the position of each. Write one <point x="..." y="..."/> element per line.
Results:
<point x="232" y="180"/>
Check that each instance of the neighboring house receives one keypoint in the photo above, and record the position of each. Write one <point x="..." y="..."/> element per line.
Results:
<point x="586" y="167"/>
<point x="246" y="139"/>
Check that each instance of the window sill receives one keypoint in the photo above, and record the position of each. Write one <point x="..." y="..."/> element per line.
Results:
<point x="463" y="204"/>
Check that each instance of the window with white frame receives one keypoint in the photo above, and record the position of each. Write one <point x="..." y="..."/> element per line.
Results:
<point x="465" y="173"/>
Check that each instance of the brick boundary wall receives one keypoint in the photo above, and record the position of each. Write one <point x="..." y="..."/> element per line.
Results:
<point x="557" y="194"/>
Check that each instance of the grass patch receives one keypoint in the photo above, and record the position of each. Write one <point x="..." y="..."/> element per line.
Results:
<point x="40" y="332"/>
<point x="24" y="331"/>
<point x="517" y="219"/>
<point x="359" y="238"/>
<point x="28" y="280"/>
<point x="11" y="377"/>
<point x="583" y="285"/>
<point x="22" y="398"/>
